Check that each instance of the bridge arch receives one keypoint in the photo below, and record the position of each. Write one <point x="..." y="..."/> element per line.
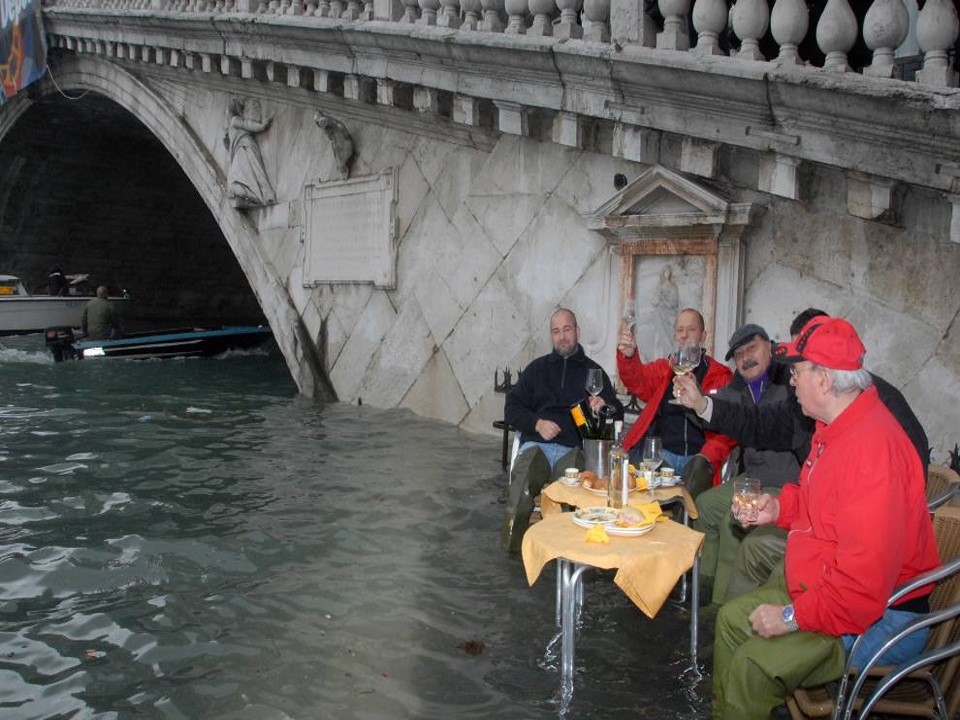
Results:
<point x="76" y="74"/>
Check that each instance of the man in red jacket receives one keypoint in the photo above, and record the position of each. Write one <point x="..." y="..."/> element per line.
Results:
<point x="697" y="456"/>
<point x="858" y="527"/>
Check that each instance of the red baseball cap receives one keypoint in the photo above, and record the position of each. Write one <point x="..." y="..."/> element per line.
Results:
<point x="826" y="341"/>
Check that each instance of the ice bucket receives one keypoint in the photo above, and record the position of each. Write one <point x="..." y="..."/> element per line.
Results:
<point x="596" y="456"/>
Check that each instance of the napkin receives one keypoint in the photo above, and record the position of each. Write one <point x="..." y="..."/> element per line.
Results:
<point x="650" y="510"/>
<point x="597" y="534"/>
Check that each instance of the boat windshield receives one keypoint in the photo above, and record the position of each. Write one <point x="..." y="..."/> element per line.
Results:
<point x="10" y="285"/>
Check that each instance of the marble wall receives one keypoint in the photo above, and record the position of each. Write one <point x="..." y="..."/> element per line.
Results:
<point x="491" y="242"/>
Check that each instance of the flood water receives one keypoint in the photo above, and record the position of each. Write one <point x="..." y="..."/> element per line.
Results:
<point x="191" y="539"/>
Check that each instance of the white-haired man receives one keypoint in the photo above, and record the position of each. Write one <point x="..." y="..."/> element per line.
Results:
<point x="858" y="527"/>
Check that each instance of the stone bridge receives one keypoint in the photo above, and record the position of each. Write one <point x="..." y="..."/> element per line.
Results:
<point x="409" y="188"/>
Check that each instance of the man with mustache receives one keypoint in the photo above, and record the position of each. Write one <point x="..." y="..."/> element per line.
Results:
<point x="759" y="380"/>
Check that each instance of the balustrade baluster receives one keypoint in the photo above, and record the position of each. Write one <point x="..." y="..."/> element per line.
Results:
<point x="709" y="20"/>
<point x="352" y="11"/>
<point x="937" y="28"/>
<point x="428" y="12"/>
<point x="472" y="10"/>
<point x="836" y="34"/>
<point x="598" y="13"/>
<point x="568" y="26"/>
<point x="885" y="26"/>
<point x="450" y="16"/>
<point x="336" y="9"/>
<point x="492" y="21"/>
<point x="674" y="35"/>
<point x="542" y="25"/>
<point x="516" y="17"/>
<point x="411" y="11"/>
<point x="789" y="23"/>
<point x="751" y="18"/>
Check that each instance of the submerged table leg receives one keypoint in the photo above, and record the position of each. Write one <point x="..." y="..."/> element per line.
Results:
<point x="571" y="589"/>
<point x="695" y="613"/>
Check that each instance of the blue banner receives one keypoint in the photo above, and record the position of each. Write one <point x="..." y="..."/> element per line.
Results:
<point x="23" y="47"/>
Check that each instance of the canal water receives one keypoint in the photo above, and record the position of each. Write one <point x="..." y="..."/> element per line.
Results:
<point x="191" y="539"/>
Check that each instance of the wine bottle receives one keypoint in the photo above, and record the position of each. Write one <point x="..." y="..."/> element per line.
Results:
<point x="580" y="420"/>
<point x="618" y="490"/>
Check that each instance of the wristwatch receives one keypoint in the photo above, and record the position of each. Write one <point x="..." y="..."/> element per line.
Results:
<point x="788" y="618"/>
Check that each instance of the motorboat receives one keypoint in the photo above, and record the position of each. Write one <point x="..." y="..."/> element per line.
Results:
<point x="177" y="342"/>
<point x="21" y="312"/>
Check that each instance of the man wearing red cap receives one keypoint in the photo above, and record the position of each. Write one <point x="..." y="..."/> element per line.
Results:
<point x="858" y="527"/>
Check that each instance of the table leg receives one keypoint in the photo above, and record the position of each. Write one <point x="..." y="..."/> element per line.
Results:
<point x="572" y="589"/>
<point x="695" y="613"/>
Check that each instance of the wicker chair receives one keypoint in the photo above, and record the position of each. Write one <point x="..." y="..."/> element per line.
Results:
<point x="942" y="485"/>
<point x="916" y="694"/>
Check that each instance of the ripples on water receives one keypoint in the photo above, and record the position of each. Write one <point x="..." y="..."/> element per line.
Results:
<point x="191" y="539"/>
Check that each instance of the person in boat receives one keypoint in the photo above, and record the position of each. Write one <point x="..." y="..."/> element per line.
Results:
<point x="57" y="283"/>
<point x="100" y="321"/>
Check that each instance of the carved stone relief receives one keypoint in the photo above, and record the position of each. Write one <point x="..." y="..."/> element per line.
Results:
<point x="679" y="246"/>
<point x="248" y="184"/>
<point x="341" y="144"/>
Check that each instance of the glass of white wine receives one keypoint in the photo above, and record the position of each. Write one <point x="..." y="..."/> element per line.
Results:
<point x="594" y="384"/>
<point x="684" y="358"/>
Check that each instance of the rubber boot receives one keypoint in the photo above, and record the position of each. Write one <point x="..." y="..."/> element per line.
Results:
<point x="530" y="473"/>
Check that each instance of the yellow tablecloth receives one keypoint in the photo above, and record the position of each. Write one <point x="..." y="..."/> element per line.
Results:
<point x="649" y="565"/>
<point x="556" y="493"/>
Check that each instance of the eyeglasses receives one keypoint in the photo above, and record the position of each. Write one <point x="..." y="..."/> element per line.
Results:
<point x="794" y="371"/>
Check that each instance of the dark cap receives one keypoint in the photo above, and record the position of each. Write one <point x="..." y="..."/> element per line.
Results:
<point x="828" y="342"/>
<point x="744" y="334"/>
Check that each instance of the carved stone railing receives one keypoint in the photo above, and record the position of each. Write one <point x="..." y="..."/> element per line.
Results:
<point x="706" y="27"/>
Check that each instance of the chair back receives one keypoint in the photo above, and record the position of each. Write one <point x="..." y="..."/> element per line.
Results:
<point x="946" y="529"/>
<point x="942" y="484"/>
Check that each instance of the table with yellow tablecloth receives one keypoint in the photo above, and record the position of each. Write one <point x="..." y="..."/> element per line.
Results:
<point x="557" y="493"/>
<point x="648" y="567"/>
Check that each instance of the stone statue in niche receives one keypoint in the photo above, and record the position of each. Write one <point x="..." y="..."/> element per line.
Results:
<point x="655" y="323"/>
<point x="247" y="182"/>
<point x="341" y="144"/>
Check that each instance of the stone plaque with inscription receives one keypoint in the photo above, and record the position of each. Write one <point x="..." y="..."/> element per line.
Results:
<point x="350" y="231"/>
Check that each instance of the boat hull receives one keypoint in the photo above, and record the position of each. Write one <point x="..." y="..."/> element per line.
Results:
<point x="167" y="344"/>
<point x="20" y="315"/>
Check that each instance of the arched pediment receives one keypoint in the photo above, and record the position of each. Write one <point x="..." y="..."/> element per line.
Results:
<point x="661" y="203"/>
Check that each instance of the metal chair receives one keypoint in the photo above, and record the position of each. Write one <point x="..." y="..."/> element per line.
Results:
<point x="942" y="485"/>
<point x="915" y="694"/>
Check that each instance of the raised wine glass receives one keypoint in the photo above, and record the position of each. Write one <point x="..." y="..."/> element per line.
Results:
<point x="684" y="358"/>
<point x="594" y="383"/>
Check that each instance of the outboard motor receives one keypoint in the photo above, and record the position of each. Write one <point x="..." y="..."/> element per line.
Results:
<point x="60" y="343"/>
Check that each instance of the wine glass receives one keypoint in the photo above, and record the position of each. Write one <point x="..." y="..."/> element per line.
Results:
<point x="629" y="317"/>
<point x="746" y="497"/>
<point x="594" y="383"/>
<point x="652" y="456"/>
<point x="684" y="358"/>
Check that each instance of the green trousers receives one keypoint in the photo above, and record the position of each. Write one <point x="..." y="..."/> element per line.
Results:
<point x="725" y="542"/>
<point x="531" y="472"/>
<point x="698" y="476"/>
<point x="751" y="675"/>
<point x="760" y="552"/>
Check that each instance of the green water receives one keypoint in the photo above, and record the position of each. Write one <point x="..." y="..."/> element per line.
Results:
<point x="191" y="539"/>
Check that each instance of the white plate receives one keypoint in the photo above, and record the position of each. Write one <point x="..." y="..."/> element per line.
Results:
<point x="590" y="516"/>
<point x="570" y="482"/>
<point x="594" y="490"/>
<point x="629" y="531"/>
<point x="670" y="482"/>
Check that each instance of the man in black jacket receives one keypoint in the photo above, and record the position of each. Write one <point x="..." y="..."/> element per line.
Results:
<point x="759" y="380"/>
<point x="538" y="407"/>
<point x="781" y="426"/>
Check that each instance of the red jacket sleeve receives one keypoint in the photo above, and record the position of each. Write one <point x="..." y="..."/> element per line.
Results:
<point x="644" y="380"/>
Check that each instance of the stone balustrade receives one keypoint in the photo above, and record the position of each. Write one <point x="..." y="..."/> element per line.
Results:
<point x="703" y="27"/>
